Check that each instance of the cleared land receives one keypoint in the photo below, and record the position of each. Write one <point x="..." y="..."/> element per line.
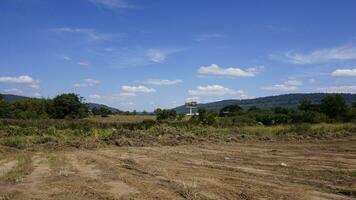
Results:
<point x="318" y="169"/>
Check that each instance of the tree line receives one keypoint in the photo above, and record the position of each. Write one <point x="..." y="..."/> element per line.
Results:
<point x="62" y="106"/>
<point x="332" y="108"/>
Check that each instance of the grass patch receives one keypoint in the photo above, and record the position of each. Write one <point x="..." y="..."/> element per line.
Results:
<point x="23" y="168"/>
<point x="58" y="164"/>
<point x="14" y="141"/>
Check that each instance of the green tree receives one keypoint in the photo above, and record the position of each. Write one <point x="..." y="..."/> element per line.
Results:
<point x="165" y="114"/>
<point x="230" y="111"/>
<point x="30" y="109"/>
<point x="334" y="107"/>
<point x="5" y="111"/>
<point x="102" y="111"/>
<point x="205" y="117"/>
<point x="69" y="106"/>
<point x="307" y="105"/>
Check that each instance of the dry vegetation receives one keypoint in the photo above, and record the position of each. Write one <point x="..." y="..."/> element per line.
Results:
<point x="121" y="118"/>
<point x="239" y="170"/>
<point x="118" y="158"/>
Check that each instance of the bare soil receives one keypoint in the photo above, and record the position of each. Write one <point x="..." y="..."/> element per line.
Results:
<point x="239" y="170"/>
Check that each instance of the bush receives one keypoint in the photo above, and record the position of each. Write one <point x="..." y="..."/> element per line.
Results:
<point x="165" y="114"/>
<point x="205" y="117"/>
<point x="69" y="106"/>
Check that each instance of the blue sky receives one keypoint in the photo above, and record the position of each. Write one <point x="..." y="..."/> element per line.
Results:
<point x="138" y="54"/>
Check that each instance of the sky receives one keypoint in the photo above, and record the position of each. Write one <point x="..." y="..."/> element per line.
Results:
<point x="141" y="55"/>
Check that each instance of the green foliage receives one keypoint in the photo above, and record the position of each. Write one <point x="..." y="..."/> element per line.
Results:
<point x="165" y="114"/>
<point x="69" y="106"/>
<point x="229" y="111"/>
<point x="5" y="108"/>
<point x="14" y="141"/>
<point x="334" y="107"/>
<point x="104" y="112"/>
<point x="205" y="117"/>
<point x="307" y="105"/>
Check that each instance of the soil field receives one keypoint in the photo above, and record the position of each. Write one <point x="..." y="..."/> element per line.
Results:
<point x="241" y="170"/>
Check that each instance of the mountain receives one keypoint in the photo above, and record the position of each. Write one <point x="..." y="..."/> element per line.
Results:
<point x="13" y="98"/>
<point x="95" y="105"/>
<point x="285" y="100"/>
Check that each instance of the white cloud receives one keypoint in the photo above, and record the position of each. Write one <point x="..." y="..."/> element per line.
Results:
<point x="312" y="80"/>
<point x="87" y="33"/>
<point x="127" y="94"/>
<point x="24" y="80"/>
<point x="83" y="63"/>
<point x="86" y="83"/>
<point x="37" y="95"/>
<point x="214" y="69"/>
<point x="136" y="89"/>
<point x="162" y="82"/>
<point x="189" y="99"/>
<point x="214" y="90"/>
<point x="94" y="96"/>
<point x="127" y="103"/>
<point x="67" y="58"/>
<point x="344" y="72"/>
<point x="113" y="4"/>
<point x="339" y="89"/>
<point x="290" y="85"/>
<point x="12" y="91"/>
<point x="341" y="53"/>
<point x="159" y="55"/>
<point x="204" y="37"/>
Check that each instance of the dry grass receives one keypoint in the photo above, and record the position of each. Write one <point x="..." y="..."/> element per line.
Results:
<point x="23" y="168"/>
<point x="246" y="170"/>
<point x="122" y="118"/>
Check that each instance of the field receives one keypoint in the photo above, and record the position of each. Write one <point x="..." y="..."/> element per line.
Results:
<point x="136" y="157"/>
<point x="239" y="170"/>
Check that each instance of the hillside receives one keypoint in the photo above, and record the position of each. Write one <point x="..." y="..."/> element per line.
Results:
<point x="13" y="98"/>
<point x="286" y="100"/>
<point x="96" y="105"/>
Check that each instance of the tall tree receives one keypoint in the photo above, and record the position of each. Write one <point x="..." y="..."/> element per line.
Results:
<point x="69" y="106"/>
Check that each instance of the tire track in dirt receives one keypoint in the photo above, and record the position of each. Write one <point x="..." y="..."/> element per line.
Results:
<point x="33" y="185"/>
<point x="7" y="166"/>
<point x="116" y="188"/>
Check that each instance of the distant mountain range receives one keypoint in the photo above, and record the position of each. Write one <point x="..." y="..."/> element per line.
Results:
<point x="13" y="98"/>
<point x="285" y="100"/>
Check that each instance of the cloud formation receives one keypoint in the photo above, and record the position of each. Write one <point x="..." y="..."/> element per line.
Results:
<point x="162" y="82"/>
<point x="341" y="53"/>
<point x="214" y="90"/>
<point x="113" y="4"/>
<point x="159" y="55"/>
<point x="87" y="33"/>
<point x="344" y="72"/>
<point x="339" y="89"/>
<point x="132" y="90"/>
<point x="290" y="85"/>
<point x="214" y="69"/>
<point x="83" y="63"/>
<point x="23" y="80"/>
<point x="86" y="83"/>
<point x="12" y="91"/>
<point x="94" y="96"/>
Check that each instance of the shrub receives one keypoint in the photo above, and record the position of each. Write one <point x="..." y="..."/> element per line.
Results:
<point x="165" y="114"/>
<point x="205" y="117"/>
<point x="69" y="106"/>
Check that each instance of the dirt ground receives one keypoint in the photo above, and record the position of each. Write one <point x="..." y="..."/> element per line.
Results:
<point x="243" y="170"/>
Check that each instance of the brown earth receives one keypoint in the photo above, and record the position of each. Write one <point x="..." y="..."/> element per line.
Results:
<point x="244" y="170"/>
